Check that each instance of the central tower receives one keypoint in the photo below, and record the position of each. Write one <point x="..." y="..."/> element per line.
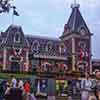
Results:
<point x="77" y="38"/>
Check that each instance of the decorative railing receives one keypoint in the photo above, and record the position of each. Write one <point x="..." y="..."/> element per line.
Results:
<point x="57" y="72"/>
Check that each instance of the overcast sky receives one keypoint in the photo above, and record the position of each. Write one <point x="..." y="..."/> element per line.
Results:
<point x="47" y="18"/>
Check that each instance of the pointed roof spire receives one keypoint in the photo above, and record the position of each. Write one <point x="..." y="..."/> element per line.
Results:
<point x="75" y="21"/>
<point x="75" y="5"/>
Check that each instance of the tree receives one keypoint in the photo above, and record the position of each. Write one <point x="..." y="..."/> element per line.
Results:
<point x="5" y="6"/>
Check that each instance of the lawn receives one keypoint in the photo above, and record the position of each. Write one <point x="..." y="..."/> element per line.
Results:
<point x="8" y="75"/>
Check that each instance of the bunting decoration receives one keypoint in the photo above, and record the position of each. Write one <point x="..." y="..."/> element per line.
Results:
<point x="83" y="54"/>
<point x="17" y="51"/>
<point x="64" y="66"/>
<point x="47" y="66"/>
<point x="41" y="85"/>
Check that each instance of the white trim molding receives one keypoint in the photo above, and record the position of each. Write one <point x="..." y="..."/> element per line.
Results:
<point x="4" y="58"/>
<point x="73" y="52"/>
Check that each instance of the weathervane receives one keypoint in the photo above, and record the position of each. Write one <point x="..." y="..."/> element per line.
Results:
<point x="75" y="5"/>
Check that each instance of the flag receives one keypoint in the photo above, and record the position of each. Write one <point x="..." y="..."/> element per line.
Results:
<point x="15" y="12"/>
<point x="86" y="54"/>
<point x="81" y="54"/>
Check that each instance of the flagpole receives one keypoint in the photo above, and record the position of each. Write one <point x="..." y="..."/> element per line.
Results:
<point x="12" y="16"/>
<point x="74" y="1"/>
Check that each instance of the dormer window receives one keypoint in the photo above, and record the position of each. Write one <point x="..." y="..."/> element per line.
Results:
<point x="82" y="44"/>
<point x="35" y="46"/>
<point x="17" y="38"/>
<point x="49" y="46"/>
<point x="66" y="28"/>
<point x="62" y="49"/>
<point x="82" y="30"/>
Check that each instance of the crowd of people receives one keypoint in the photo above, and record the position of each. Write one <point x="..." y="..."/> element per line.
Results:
<point x="21" y="90"/>
<point x="18" y="90"/>
<point x="90" y="88"/>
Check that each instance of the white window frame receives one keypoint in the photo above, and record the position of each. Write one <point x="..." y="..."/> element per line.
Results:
<point x="19" y="39"/>
<point x="38" y="45"/>
<point x="49" y="44"/>
<point x="83" y="43"/>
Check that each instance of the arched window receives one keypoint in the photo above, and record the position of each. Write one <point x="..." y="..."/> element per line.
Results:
<point x="62" y="49"/>
<point x="82" y="30"/>
<point x="35" y="46"/>
<point x="17" y="37"/>
<point x="49" y="46"/>
<point x="82" y="44"/>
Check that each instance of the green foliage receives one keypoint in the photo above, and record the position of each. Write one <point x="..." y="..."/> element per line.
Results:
<point x="17" y="75"/>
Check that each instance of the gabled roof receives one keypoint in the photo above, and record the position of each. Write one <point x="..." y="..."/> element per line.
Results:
<point x="10" y="33"/>
<point x="42" y="40"/>
<point x="75" y="21"/>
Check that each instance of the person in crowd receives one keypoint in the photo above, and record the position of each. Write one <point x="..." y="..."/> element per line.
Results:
<point x="27" y="87"/>
<point x="14" y="82"/>
<point x="86" y="85"/>
<point x="69" y="90"/>
<point x="2" y="88"/>
<point x="1" y="91"/>
<point x="97" y="88"/>
<point x="21" y="84"/>
<point x="7" y="89"/>
<point x="28" y="95"/>
<point x="15" y="93"/>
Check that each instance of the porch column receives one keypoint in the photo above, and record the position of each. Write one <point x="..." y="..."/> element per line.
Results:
<point x="4" y="58"/>
<point x="38" y="86"/>
<point x="73" y="54"/>
<point x="27" y="61"/>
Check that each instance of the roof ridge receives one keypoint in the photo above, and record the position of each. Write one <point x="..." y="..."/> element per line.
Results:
<point x="42" y="37"/>
<point x="74" y="20"/>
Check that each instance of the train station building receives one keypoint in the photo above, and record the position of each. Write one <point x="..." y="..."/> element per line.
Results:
<point x="70" y="53"/>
